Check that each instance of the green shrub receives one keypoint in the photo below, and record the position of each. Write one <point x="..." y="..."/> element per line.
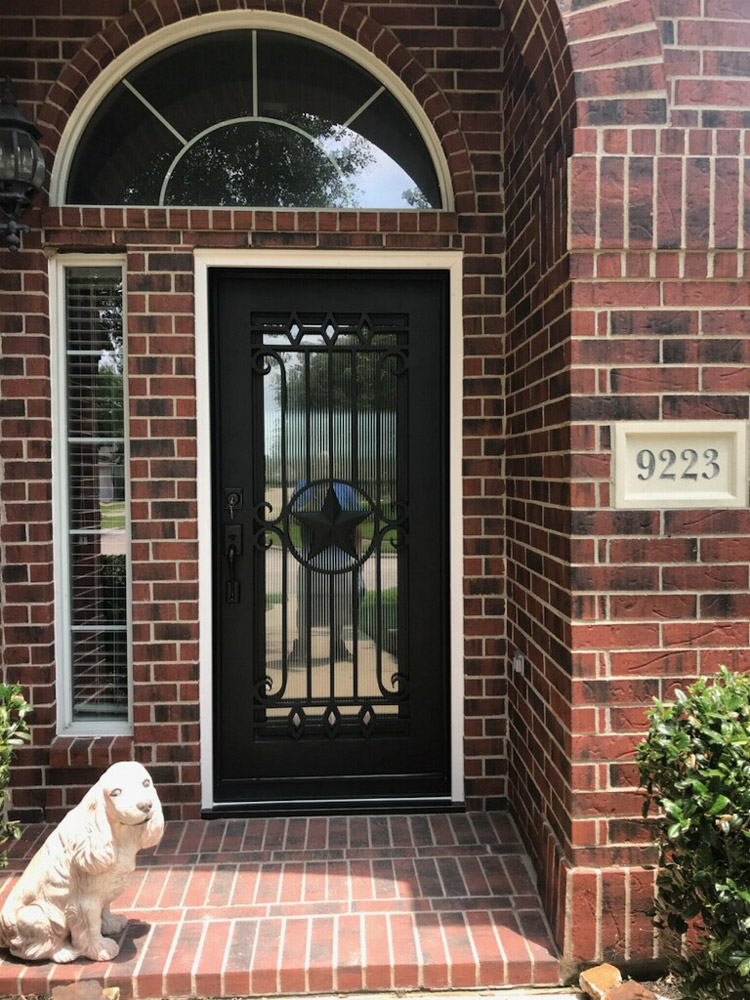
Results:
<point x="114" y="579"/>
<point x="14" y="731"/>
<point x="695" y="767"/>
<point x="368" y="615"/>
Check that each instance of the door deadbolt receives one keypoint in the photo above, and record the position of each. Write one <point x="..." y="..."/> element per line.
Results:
<point x="233" y="499"/>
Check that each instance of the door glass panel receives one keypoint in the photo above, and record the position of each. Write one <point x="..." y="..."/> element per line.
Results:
<point x="331" y="522"/>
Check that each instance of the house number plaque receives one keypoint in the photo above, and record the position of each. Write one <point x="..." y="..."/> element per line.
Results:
<point x="685" y="463"/>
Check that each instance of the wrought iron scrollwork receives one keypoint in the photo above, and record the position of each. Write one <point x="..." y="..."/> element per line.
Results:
<point x="367" y="720"/>
<point x="296" y="721"/>
<point x="335" y="378"/>
<point x="332" y="720"/>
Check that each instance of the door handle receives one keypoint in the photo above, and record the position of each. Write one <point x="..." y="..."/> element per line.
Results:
<point x="233" y="586"/>
<point x="232" y="549"/>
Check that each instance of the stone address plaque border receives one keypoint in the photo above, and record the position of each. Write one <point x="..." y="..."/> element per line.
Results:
<point x="677" y="464"/>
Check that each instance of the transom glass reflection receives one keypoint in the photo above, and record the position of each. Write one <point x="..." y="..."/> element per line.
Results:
<point x="257" y="118"/>
<point x="332" y="523"/>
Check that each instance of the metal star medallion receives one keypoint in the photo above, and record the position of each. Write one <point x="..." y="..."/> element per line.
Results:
<point x="332" y="526"/>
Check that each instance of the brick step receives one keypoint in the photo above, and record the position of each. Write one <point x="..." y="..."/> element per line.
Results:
<point x="262" y="921"/>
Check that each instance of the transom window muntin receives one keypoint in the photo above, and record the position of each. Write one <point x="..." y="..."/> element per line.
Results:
<point x="261" y="118"/>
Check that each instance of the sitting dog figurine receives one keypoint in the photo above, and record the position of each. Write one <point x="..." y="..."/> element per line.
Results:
<point x="59" y="909"/>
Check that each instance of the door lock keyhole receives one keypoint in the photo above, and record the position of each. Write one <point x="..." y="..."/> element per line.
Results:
<point x="232" y="500"/>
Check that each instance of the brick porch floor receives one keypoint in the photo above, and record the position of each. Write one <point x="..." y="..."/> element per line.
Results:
<point x="269" y="906"/>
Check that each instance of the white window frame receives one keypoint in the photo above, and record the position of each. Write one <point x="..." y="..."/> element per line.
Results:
<point x="66" y="726"/>
<point x="244" y="20"/>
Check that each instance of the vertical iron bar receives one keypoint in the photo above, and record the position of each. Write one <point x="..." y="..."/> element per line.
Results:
<point x="331" y="426"/>
<point x="379" y="503"/>
<point x="307" y="574"/>
<point x="354" y="462"/>
<point x="402" y="483"/>
<point x="332" y="623"/>
<point x="308" y="418"/>
<point x="331" y="636"/>
<point x="307" y="647"/>
<point x="283" y="403"/>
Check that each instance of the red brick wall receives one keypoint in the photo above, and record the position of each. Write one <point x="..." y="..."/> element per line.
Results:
<point x="537" y="446"/>
<point x="659" y="597"/>
<point x="706" y="56"/>
<point x="453" y="63"/>
<point x="26" y="570"/>
<point x="632" y="303"/>
<point x="659" y="330"/>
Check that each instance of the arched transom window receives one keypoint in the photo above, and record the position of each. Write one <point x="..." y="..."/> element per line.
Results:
<point x="257" y="118"/>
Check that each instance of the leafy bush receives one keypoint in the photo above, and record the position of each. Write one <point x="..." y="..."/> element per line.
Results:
<point x="14" y="731"/>
<point x="695" y="767"/>
<point x="114" y="579"/>
<point x="368" y="615"/>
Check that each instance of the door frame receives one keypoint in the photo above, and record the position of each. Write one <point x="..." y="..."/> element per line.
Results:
<point x="442" y="260"/>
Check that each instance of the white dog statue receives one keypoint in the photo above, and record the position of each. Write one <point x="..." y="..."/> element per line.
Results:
<point x="59" y="909"/>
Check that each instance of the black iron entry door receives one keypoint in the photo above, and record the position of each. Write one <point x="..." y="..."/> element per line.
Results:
<point x="330" y="536"/>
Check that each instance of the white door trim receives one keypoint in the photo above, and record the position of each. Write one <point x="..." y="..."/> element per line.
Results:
<point x="448" y="260"/>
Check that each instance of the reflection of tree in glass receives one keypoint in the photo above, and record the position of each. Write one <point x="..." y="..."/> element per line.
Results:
<point x="109" y="377"/>
<point x="262" y="163"/>
<point x="109" y="404"/>
<point x="415" y="199"/>
<point x="114" y="577"/>
<point x="144" y="187"/>
<point x="376" y="384"/>
<point x="109" y="399"/>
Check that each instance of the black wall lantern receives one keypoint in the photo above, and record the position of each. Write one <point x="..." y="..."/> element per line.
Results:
<point x="21" y="166"/>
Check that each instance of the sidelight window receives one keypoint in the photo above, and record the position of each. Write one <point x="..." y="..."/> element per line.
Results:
<point x="93" y="592"/>
<point x="257" y="118"/>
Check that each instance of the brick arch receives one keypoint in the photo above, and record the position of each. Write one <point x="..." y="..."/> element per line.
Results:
<point x="617" y="59"/>
<point x="537" y="29"/>
<point x="592" y="64"/>
<point x="152" y="15"/>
